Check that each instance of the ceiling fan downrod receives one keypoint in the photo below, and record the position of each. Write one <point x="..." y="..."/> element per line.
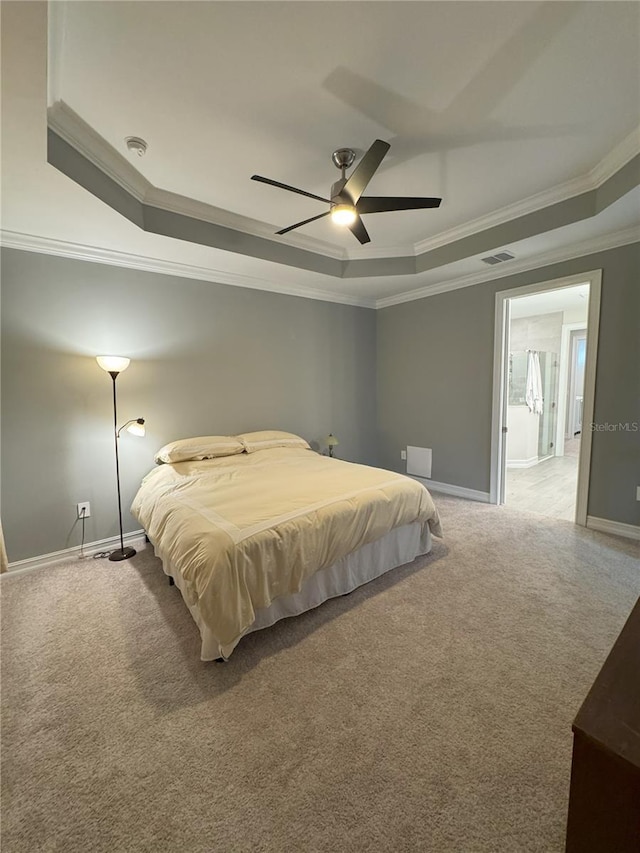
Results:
<point x="343" y="159"/>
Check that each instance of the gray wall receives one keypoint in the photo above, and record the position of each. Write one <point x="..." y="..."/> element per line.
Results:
<point x="435" y="366"/>
<point x="206" y="358"/>
<point x="210" y="358"/>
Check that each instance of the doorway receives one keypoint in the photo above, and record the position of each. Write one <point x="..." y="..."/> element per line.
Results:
<point x="544" y="377"/>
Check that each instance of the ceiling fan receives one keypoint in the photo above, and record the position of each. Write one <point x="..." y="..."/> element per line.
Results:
<point x="347" y="204"/>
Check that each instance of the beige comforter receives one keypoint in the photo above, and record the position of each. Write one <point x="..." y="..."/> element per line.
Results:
<point x="245" y="529"/>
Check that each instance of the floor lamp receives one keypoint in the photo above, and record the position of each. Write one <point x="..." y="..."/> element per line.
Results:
<point x="114" y="365"/>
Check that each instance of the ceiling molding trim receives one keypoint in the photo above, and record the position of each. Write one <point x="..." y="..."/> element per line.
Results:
<point x="173" y="203"/>
<point x="88" y="144"/>
<point x="94" y="254"/>
<point x="70" y="127"/>
<point x="565" y="253"/>
<point x="77" y="251"/>
<point x="81" y="136"/>
<point x="375" y="253"/>
<point x="617" y="158"/>
<point x="72" y="163"/>
<point x="76" y="132"/>
<point x="605" y="169"/>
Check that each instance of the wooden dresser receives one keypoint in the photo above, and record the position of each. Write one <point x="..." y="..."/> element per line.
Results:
<point x="604" y="799"/>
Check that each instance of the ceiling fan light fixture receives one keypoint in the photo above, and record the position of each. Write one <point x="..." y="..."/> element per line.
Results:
<point x="343" y="214"/>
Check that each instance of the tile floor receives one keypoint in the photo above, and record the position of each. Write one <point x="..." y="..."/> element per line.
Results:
<point x="548" y="488"/>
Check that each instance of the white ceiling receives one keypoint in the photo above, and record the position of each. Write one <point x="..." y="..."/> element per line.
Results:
<point x="573" y="299"/>
<point x="484" y="103"/>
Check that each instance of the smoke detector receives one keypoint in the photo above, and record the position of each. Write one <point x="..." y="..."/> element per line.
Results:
<point x="136" y="145"/>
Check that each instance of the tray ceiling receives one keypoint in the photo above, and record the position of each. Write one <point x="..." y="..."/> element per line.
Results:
<point x="501" y="108"/>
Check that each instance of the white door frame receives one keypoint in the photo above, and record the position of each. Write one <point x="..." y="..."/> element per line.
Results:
<point x="500" y="378"/>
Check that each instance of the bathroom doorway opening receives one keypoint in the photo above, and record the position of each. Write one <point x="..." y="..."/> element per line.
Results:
<point x="544" y="378"/>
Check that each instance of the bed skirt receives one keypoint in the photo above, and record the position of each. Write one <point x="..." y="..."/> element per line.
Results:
<point x="396" y="548"/>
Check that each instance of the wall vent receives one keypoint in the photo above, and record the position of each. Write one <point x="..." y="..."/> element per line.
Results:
<point x="419" y="461"/>
<point x="498" y="258"/>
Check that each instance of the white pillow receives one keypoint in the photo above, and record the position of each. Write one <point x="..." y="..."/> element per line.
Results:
<point x="201" y="447"/>
<point x="267" y="438"/>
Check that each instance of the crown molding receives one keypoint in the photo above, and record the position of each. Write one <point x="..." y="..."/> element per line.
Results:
<point x="616" y="158"/>
<point x="70" y="127"/>
<point x="95" y="254"/>
<point x="605" y="169"/>
<point x="566" y="253"/>
<point x="200" y="210"/>
<point x="373" y="253"/>
<point x="77" y="133"/>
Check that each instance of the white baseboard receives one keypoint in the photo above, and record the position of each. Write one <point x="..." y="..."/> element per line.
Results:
<point x="618" y="528"/>
<point x="523" y="463"/>
<point x="135" y="539"/>
<point x="455" y="491"/>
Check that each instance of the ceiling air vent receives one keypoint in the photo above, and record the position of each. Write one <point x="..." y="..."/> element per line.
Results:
<point x="498" y="258"/>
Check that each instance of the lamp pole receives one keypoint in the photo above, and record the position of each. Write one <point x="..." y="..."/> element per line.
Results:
<point x="122" y="553"/>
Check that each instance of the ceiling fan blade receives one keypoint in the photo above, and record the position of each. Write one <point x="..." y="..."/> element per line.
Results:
<point x="365" y="170"/>
<point x="374" y="204"/>
<point x="287" y="187"/>
<point x="358" y="230"/>
<point x="304" y="222"/>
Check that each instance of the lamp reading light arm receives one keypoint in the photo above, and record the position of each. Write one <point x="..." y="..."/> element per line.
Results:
<point x="139" y="421"/>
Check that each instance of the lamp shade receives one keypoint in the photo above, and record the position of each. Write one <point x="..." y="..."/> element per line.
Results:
<point x="137" y="427"/>
<point x="113" y="363"/>
<point x="331" y="441"/>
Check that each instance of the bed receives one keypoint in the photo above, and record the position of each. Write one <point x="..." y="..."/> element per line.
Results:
<point x="258" y="527"/>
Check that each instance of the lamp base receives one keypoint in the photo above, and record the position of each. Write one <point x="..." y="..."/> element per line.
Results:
<point x="122" y="554"/>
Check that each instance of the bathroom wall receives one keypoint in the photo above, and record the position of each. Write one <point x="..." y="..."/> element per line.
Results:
<point x="542" y="332"/>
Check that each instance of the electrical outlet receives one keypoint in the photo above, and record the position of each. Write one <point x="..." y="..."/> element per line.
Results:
<point x="403" y="455"/>
<point x="638" y="493"/>
<point x="84" y="509"/>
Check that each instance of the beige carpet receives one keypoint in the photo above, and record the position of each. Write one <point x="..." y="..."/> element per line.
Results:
<point x="429" y="711"/>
